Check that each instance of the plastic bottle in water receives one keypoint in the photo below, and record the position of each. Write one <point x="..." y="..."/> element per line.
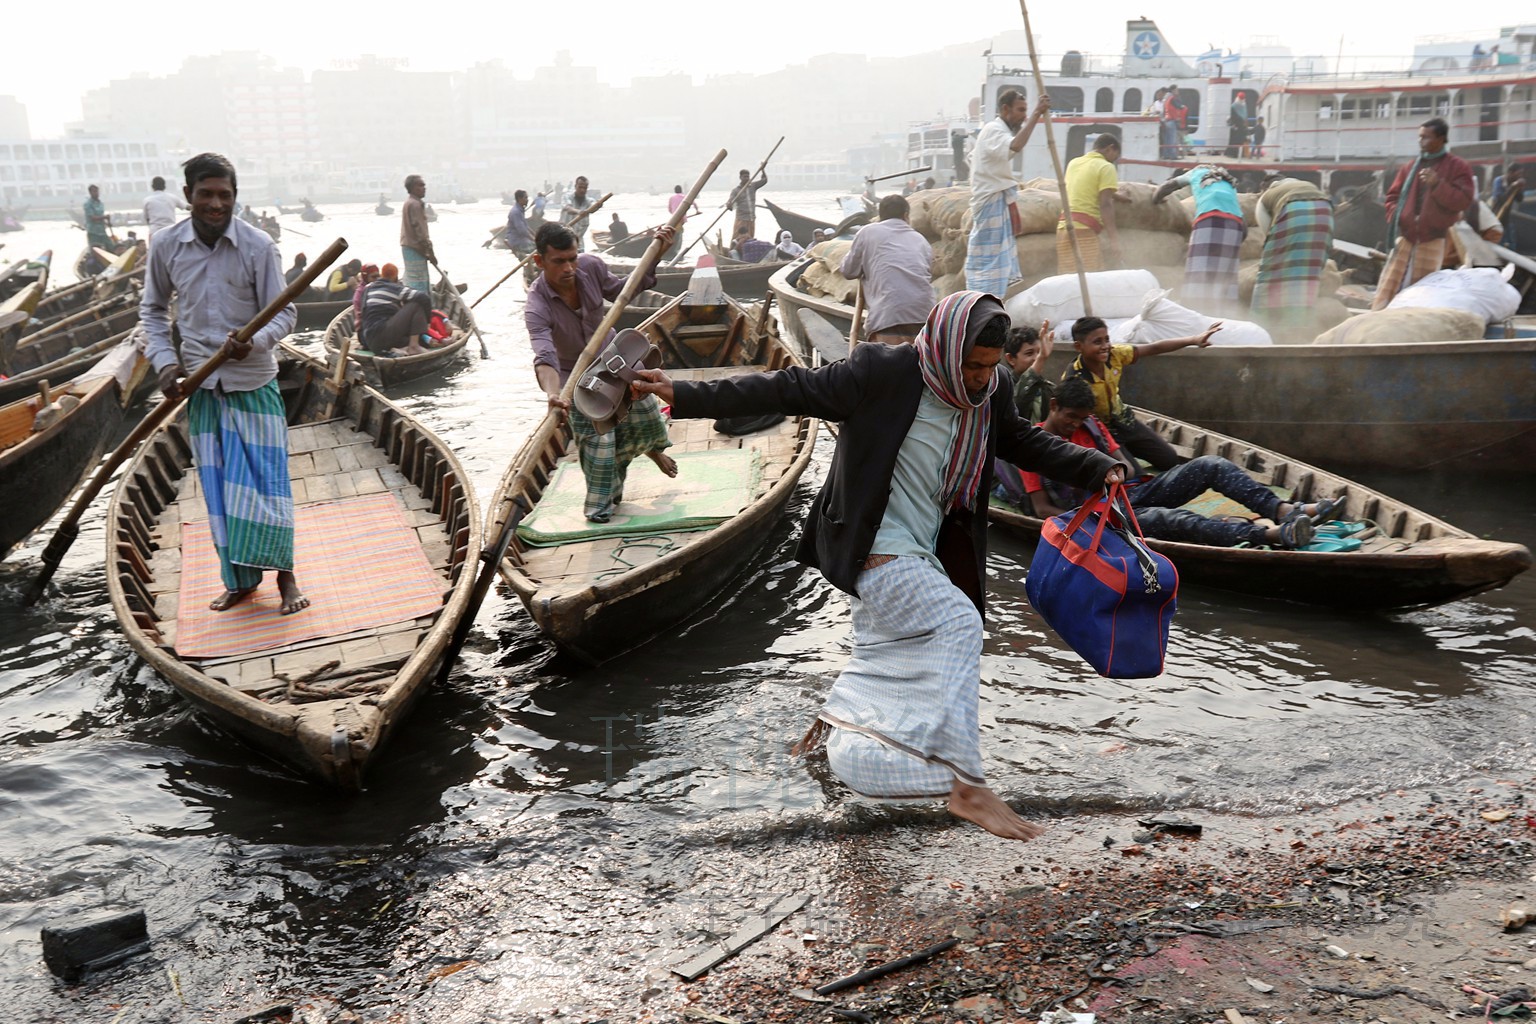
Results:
<point x="704" y="287"/>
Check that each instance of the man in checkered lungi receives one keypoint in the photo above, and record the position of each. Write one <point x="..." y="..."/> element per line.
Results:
<point x="564" y="310"/>
<point x="221" y="272"/>
<point x="1426" y="198"/>
<point x="900" y="526"/>
<point x="991" y="258"/>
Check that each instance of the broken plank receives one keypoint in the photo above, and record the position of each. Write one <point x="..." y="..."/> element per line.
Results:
<point x="750" y="931"/>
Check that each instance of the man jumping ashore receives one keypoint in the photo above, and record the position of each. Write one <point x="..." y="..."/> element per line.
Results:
<point x="900" y="526"/>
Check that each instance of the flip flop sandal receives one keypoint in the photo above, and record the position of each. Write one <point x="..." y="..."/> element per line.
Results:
<point x="1332" y="545"/>
<point x="1342" y="528"/>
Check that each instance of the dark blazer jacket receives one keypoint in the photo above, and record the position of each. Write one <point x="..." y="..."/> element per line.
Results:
<point x="874" y="394"/>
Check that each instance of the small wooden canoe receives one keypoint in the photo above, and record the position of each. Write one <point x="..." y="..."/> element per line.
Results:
<point x="42" y="464"/>
<point x="122" y="275"/>
<point x="598" y="598"/>
<point x="65" y="349"/>
<point x="800" y="227"/>
<point x="1408" y="559"/>
<point x="744" y="281"/>
<point x="326" y="722"/>
<point x="399" y="369"/>
<point x="23" y="273"/>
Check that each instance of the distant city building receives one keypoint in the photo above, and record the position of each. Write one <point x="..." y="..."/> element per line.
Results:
<point x="13" y="119"/>
<point x="62" y="169"/>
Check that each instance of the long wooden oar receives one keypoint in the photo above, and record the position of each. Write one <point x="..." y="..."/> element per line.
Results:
<point x="458" y="300"/>
<point x="492" y="555"/>
<point x="589" y="211"/>
<point x="728" y="204"/>
<point x="1061" y="177"/>
<point x="69" y="529"/>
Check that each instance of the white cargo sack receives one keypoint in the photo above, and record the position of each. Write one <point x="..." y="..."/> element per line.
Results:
<point x="1480" y="290"/>
<point x="1116" y="293"/>
<point x="1161" y="318"/>
<point x="1062" y="332"/>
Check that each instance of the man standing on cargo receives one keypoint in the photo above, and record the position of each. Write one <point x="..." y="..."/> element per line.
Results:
<point x="1426" y="198"/>
<point x="1091" y="183"/>
<point x="222" y="272"/>
<point x="991" y="261"/>
<point x="894" y="265"/>
<point x="415" y="241"/>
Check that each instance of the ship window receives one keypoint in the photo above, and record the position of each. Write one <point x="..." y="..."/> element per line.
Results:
<point x="1132" y="104"/>
<point x="1325" y="110"/>
<point x="1104" y="101"/>
<point x="1383" y="109"/>
<point x="1066" y="99"/>
<point x="1347" y="110"/>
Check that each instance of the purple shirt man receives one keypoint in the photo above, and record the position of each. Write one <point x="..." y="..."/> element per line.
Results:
<point x="557" y="332"/>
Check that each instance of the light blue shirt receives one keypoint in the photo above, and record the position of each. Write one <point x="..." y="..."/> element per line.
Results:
<point x="1215" y="197"/>
<point x="217" y="290"/>
<point x="913" y="514"/>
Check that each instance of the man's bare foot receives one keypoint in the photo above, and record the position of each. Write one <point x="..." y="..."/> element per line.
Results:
<point x="229" y="599"/>
<point x="293" y="599"/>
<point x="986" y="808"/>
<point x="664" y="462"/>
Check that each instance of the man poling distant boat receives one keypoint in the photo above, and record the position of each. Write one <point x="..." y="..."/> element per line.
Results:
<point x="416" y="252"/>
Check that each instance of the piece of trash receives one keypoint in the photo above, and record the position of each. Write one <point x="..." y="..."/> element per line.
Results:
<point x="90" y="941"/>
<point x="1173" y="826"/>
<point x="1135" y="850"/>
<point x="1259" y="986"/>
<point x="1515" y="916"/>
<point x="809" y="996"/>
<point x="1067" y="1017"/>
<point x="1498" y="815"/>
<point x="1337" y="951"/>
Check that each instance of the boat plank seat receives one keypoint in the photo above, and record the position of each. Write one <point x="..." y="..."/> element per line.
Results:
<point x="595" y="559"/>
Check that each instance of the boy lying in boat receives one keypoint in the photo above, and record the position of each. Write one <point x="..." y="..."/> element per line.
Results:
<point x="564" y="310"/>
<point x="1156" y="499"/>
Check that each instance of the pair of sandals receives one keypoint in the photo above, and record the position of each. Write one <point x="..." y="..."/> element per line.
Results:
<point x="1323" y="533"/>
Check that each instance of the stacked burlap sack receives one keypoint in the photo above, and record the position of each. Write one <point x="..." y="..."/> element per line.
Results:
<point x="1153" y="236"/>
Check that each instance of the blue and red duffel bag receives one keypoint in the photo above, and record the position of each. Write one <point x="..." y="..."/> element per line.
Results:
<point x="1103" y="590"/>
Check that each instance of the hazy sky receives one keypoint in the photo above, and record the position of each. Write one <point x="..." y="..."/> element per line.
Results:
<point x="71" y="48"/>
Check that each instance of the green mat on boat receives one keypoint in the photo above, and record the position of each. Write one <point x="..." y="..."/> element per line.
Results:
<point x="710" y="487"/>
<point x="1213" y="503"/>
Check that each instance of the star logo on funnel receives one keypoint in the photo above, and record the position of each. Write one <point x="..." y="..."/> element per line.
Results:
<point x="1146" y="45"/>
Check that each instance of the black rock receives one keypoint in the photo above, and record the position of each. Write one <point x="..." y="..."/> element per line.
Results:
<point x="88" y="942"/>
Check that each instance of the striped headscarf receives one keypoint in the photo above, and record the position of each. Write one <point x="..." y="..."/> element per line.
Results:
<point x="952" y="328"/>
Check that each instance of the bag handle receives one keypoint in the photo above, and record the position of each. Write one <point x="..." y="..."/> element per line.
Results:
<point x="1117" y="504"/>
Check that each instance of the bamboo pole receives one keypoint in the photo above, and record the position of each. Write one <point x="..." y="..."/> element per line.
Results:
<point x="1061" y="177"/>
<point x="726" y="208"/>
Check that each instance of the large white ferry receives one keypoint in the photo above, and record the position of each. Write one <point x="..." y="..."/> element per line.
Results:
<point x="1339" y="130"/>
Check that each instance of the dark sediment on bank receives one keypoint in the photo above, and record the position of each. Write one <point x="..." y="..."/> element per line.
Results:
<point x="1168" y="929"/>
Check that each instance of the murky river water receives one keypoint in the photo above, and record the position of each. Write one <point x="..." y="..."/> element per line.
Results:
<point x="566" y="830"/>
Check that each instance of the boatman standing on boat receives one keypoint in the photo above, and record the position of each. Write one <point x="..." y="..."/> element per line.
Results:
<point x="1091" y="181"/>
<point x="901" y="526"/>
<point x="564" y="311"/>
<point x="991" y="260"/>
<point x="895" y="265"/>
<point x="96" y="221"/>
<point x="160" y="207"/>
<point x="574" y="207"/>
<point x="221" y="272"/>
<point x="743" y="200"/>
<point x="416" y="252"/>
<point x="1426" y="198"/>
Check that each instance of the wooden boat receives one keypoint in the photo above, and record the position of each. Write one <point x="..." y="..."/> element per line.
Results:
<point x="315" y="314"/>
<point x="15" y="320"/>
<point x="23" y="273"/>
<point x="740" y="280"/>
<point x="800" y="227"/>
<point x="126" y="272"/>
<point x="40" y="466"/>
<point x="327" y="724"/>
<point x="632" y="247"/>
<point x="399" y="369"/>
<point x="64" y="350"/>
<point x="1408" y="559"/>
<point x="1418" y="406"/>
<point x="598" y="598"/>
<point x="124" y="254"/>
<point x="310" y="214"/>
<point x="383" y="209"/>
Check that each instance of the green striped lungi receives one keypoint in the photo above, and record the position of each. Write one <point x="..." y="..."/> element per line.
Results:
<point x="605" y="458"/>
<point x="240" y="448"/>
<point x="413" y="270"/>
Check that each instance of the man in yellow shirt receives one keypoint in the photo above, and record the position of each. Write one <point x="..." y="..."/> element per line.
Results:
<point x="1091" y="184"/>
